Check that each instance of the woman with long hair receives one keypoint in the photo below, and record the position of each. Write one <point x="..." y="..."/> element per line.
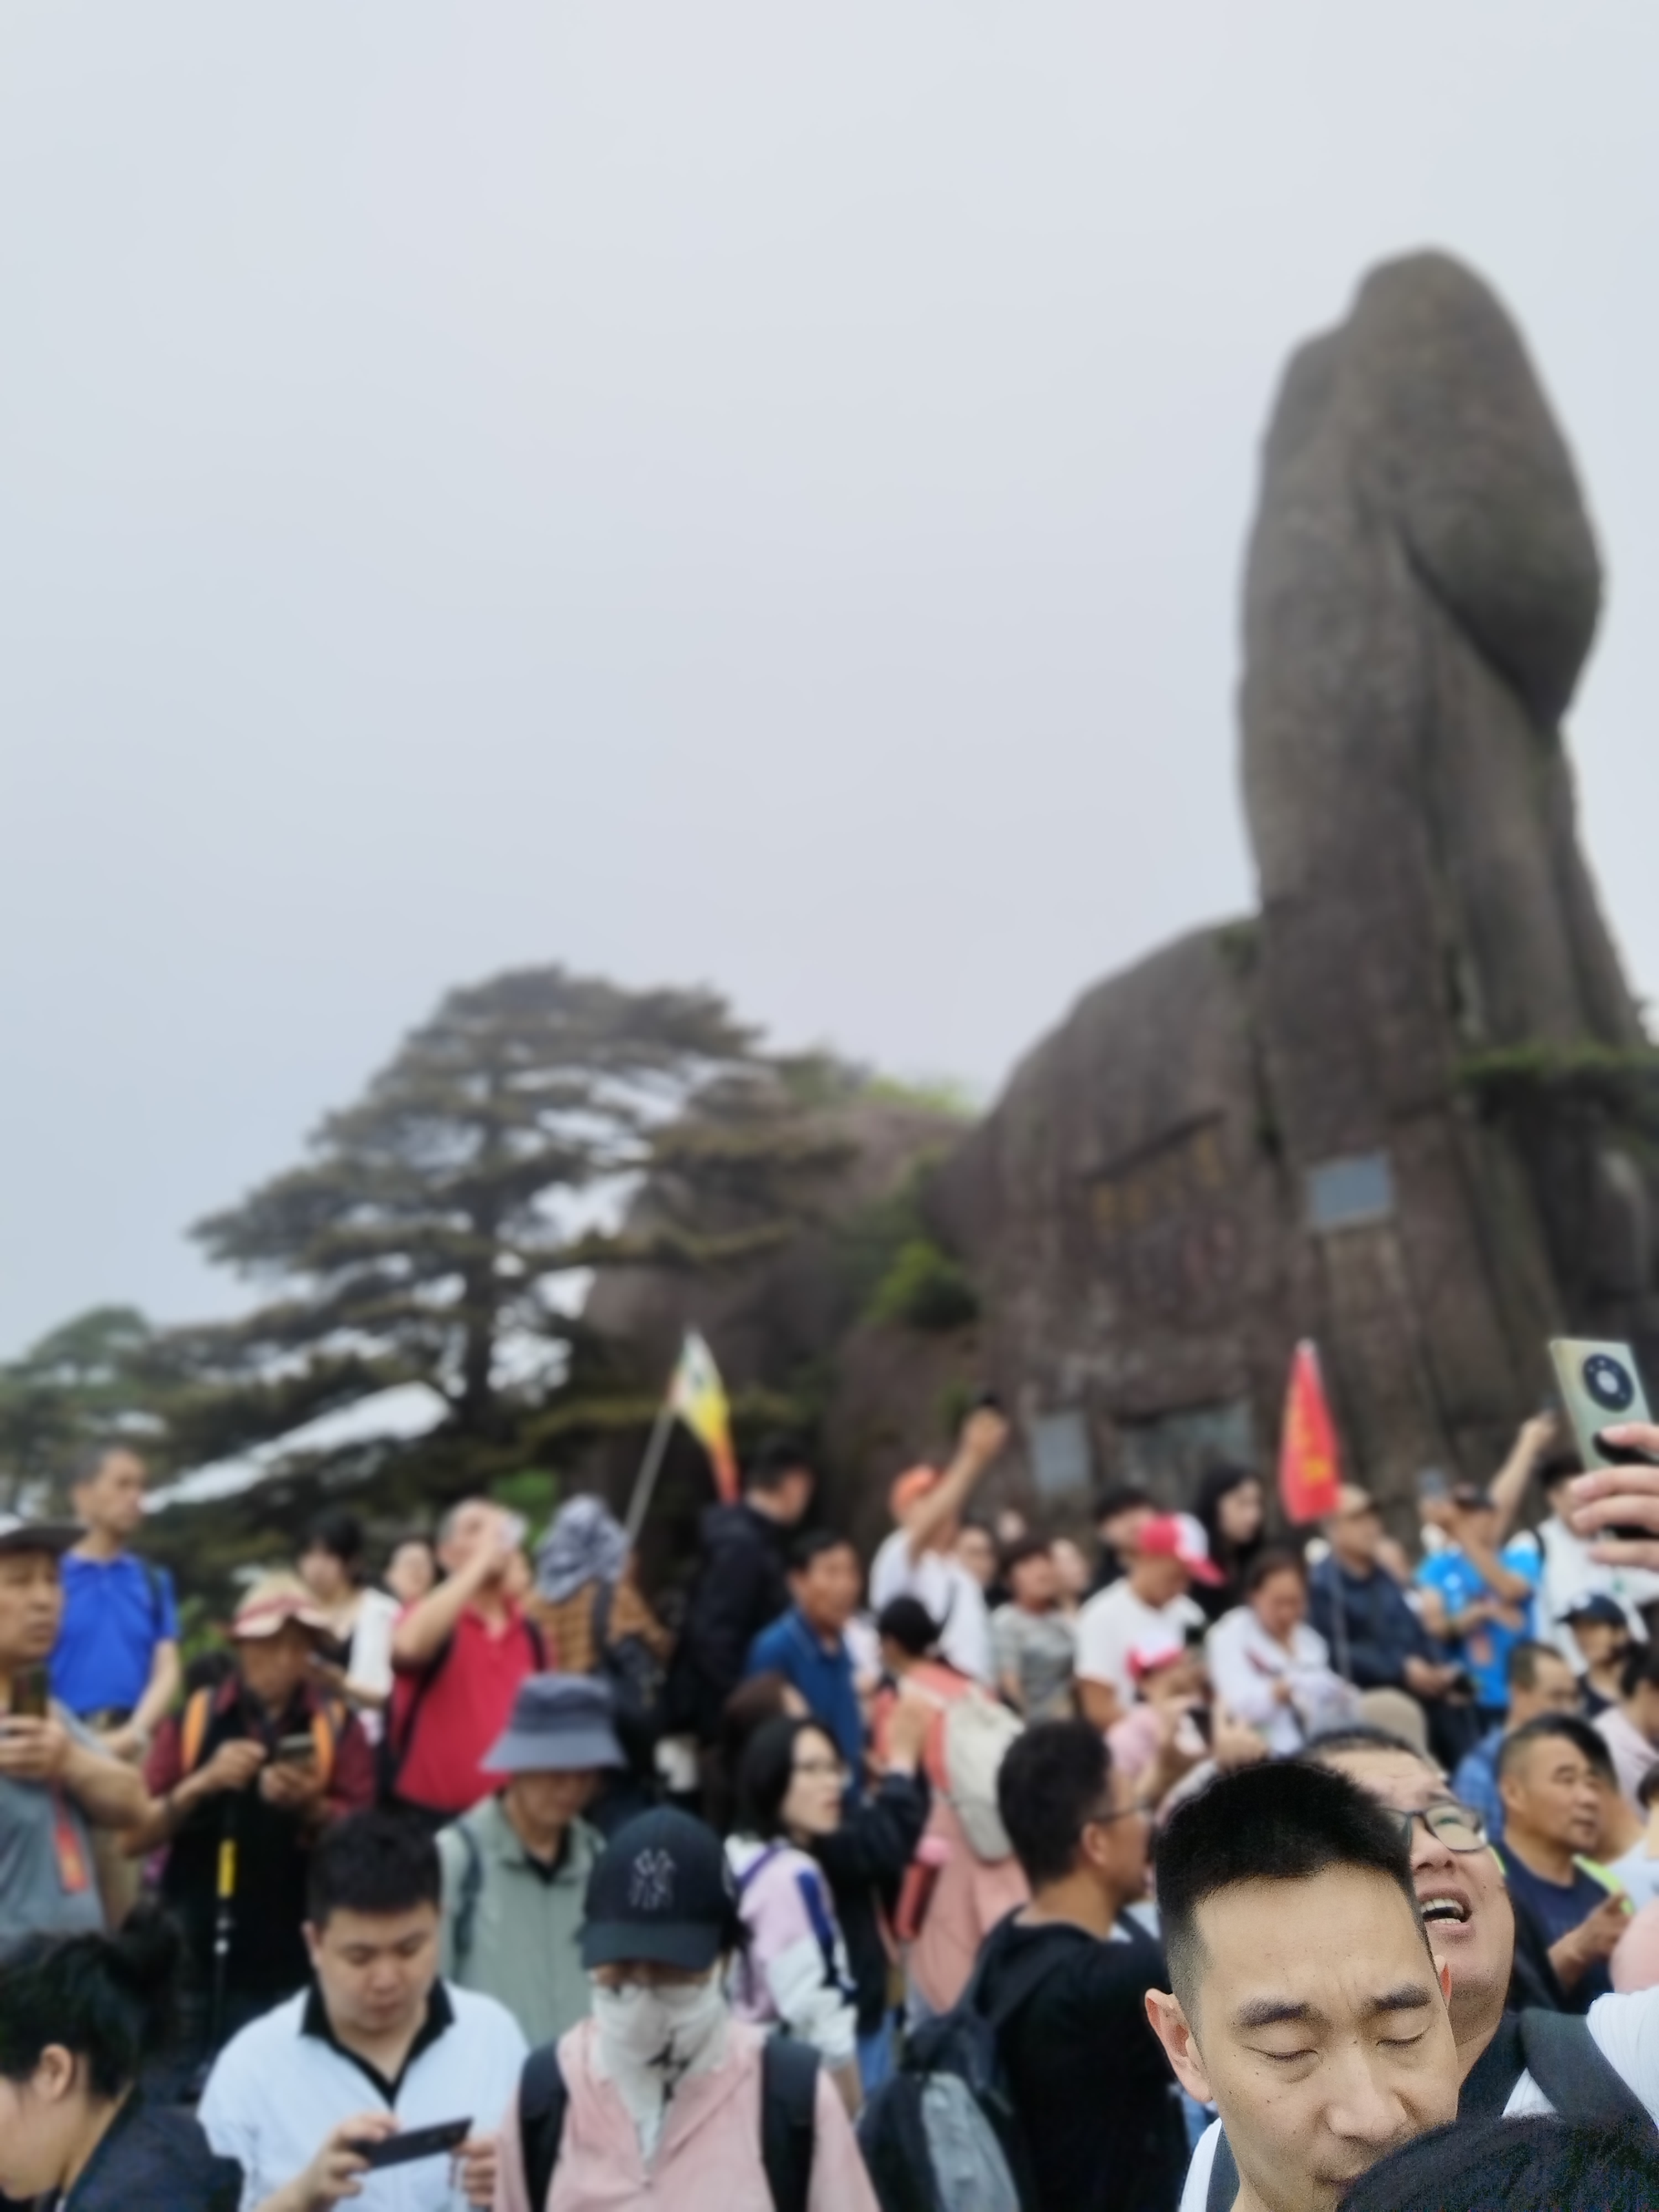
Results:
<point x="1231" y="1509"/>
<point x="791" y="1789"/>
<point x="80" y="2016"/>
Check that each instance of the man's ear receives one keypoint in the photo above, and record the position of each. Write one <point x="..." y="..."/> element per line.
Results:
<point x="1171" y="2027"/>
<point x="310" y="1933"/>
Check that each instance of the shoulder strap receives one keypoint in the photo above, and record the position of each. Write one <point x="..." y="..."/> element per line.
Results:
<point x="152" y="1584"/>
<point x="757" y="1865"/>
<point x="789" y="2090"/>
<point x="466" y="1908"/>
<point x="325" y="1724"/>
<point x="1569" y="2066"/>
<point x="1019" y="1981"/>
<point x="399" y="1739"/>
<point x="1223" y="2177"/>
<point x="193" y="1729"/>
<point x="543" y="2097"/>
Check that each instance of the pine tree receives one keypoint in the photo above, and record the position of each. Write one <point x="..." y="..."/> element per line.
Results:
<point x="422" y="1238"/>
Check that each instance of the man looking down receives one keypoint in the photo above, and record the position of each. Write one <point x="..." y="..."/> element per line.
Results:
<point x="1305" y="2001"/>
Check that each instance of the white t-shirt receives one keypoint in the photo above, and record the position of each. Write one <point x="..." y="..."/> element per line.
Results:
<point x="279" y="2087"/>
<point x="1624" y="2029"/>
<point x="1117" y="1623"/>
<point x="1571" y="1574"/>
<point x="950" y="1593"/>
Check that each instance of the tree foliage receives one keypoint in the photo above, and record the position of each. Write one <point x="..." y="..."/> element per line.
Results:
<point x="96" y="1378"/>
<point x="420" y="1238"/>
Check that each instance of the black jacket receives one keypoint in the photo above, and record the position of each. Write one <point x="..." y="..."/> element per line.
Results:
<point x="1367" y="1626"/>
<point x="155" y="2158"/>
<point x="740" y="1588"/>
<point x="864" y="1863"/>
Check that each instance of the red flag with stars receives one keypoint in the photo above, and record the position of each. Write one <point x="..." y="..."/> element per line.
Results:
<point x="1310" y="1467"/>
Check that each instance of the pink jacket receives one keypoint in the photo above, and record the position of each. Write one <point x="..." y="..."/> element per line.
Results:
<point x="970" y="1897"/>
<point x="708" y="2159"/>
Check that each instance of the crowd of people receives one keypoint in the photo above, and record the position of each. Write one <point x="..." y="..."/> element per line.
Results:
<point x="473" y="1884"/>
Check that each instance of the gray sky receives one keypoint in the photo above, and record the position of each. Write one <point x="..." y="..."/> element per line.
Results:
<point x="703" y="492"/>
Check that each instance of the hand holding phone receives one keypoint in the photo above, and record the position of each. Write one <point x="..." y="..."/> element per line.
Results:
<point x="412" y="2143"/>
<point x="31" y="1695"/>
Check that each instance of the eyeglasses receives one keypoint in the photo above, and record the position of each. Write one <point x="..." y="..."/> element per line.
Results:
<point x="1458" y="1828"/>
<point x="824" y="1769"/>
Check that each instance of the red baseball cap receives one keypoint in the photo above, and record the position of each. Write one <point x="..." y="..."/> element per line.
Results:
<point x="1178" y="1536"/>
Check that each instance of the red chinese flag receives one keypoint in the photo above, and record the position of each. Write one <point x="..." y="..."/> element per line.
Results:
<point x="1309" y="1472"/>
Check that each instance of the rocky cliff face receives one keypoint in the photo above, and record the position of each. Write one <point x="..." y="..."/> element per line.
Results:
<point x="1277" y="1130"/>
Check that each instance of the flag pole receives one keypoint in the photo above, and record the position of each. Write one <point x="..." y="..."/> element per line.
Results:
<point x="645" y="1481"/>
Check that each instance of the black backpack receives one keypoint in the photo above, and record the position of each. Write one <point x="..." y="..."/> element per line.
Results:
<point x="943" y="2134"/>
<point x="789" y="2088"/>
<point x="1561" y="2055"/>
<point x="636" y="1676"/>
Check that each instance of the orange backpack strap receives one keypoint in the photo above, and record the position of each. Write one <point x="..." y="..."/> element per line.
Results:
<point x="192" y="1730"/>
<point x="325" y="1734"/>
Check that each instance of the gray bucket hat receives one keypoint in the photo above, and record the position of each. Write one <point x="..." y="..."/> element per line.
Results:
<point x="560" y="1724"/>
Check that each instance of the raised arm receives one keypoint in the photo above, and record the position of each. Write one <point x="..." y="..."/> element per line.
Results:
<point x="424" y="1630"/>
<point x="984" y="1433"/>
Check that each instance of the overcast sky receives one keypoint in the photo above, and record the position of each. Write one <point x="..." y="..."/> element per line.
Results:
<point x="742" y="494"/>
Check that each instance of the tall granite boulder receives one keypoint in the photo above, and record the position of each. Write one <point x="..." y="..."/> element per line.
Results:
<point x="1392" y="1111"/>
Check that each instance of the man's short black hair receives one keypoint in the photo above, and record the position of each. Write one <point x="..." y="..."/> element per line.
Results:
<point x="1538" y="2163"/>
<point x="906" y="1622"/>
<point x="813" y="1546"/>
<point x="1557" y="1466"/>
<point x="1122" y="1497"/>
<point x="380" y="1862"/>
<point x="1277" y="1559"/>
<point x="1053" y="1780"/>
<point x="1028" y="1547"/>
<point x="777" y="1459"/>
<point x="1578" y="1733"/>
<point x="1641" y="1664"/>
<point x="1284" y="1821"/>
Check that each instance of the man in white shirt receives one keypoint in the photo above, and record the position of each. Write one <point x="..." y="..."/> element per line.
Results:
<point x="1571" y="1574"/>
<point x="1148" y="1608"/>
<point x="918" y="1560"/>
<point x="377" y="2046"/>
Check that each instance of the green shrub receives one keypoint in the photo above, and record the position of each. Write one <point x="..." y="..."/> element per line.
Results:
<point x="925" y="1288"/>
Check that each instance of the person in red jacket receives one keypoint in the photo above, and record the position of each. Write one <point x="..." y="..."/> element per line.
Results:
<point x="458" y="1657"/>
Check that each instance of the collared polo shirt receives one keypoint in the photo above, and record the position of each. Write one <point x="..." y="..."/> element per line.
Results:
<point x="517" y="1939"/>
<point x="460" y="1703"/>
<point x="279" y="2087"/>
<point x="115" y="1613"/>
<point x="792" y="1648"/>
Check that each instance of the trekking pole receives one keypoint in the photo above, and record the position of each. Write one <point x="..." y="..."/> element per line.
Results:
<point x="224" y="1914"/>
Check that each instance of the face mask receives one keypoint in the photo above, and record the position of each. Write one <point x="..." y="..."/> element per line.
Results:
<point x="662" y="2030"/>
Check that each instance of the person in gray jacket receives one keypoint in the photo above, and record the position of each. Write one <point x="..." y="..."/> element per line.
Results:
<point x="515" y="1868"/>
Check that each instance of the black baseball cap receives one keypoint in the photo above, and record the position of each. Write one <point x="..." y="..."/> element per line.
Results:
<point x="661" y="1890"/>
<point x="1597" y="1607"/>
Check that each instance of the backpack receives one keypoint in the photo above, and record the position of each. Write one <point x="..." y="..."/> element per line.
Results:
<point x="326" y="1723"/>
<point x="635" y="1676"/>
<point x="942" y="2135"/>
<point x="1562" y="2058"/>
<point x="789" y="2088"/>
<point x="978" y="1731"/>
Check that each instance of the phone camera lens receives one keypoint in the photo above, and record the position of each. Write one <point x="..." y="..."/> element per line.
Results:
<point x="1608" y="1383"/>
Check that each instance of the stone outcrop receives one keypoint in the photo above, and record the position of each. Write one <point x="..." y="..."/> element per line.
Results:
<point x="1280" y="1128"/>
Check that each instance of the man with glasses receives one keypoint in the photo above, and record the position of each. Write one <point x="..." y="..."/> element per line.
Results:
<point x="1375" y="1641"/>
<point x="1066" y="1980"/>
<point x="1509" y="2062"/>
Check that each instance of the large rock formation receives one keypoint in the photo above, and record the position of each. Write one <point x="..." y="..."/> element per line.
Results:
<point x="1395" y="1112"/>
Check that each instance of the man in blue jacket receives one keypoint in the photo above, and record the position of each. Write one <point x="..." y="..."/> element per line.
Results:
<point x="1376" y="1640"/>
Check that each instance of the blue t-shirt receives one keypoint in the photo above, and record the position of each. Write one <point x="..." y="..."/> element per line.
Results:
<point x="1558" y="1908"/>
<point x="824" y="1677"/>
<point x="115" y="1613"/>
<point x="1485" y="1650"/>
